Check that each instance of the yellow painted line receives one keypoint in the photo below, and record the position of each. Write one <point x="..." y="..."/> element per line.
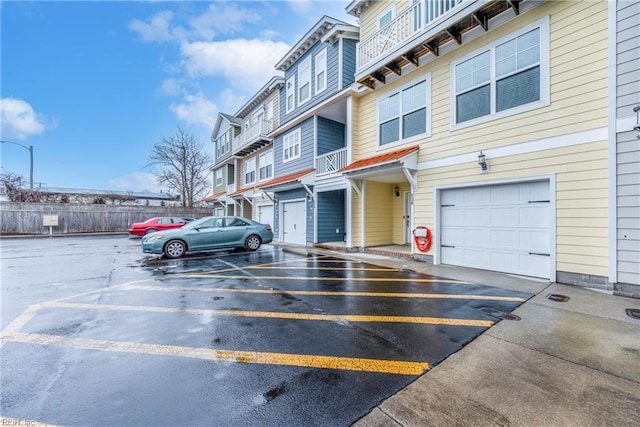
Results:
<point x="350" y="279"/>
<point x="328" y="293"/>
<point x="282" y="315"/>
<point x="238" y="268"/>
<point x="284" y="359"/>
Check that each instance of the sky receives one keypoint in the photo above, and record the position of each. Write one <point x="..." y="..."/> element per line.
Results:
<point x="93" y="85"/>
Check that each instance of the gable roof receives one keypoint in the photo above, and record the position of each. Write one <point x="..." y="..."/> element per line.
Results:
<point x="234" y="121"/>
<point x="272" y="85"/>
<point x="315" y="34"/>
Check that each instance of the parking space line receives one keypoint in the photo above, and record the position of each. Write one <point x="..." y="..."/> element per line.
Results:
<point x="330" y="293"/>
<point x="282" y="315"/>
<point x="284" y="359"/>
<point x="351" y="279"/>
<point x="309" y="267"/>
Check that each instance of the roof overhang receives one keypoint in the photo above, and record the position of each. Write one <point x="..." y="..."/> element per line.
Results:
<point x="213" y="198"/>
<point x="393" y="167"/>
<point x="303" y="179"/>
<point x="312" y="36"/>
<point x="272" y="85"/>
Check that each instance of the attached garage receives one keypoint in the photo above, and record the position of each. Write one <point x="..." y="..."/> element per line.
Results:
<point x="265" y="214"/>
<point x="501" y="227"/>
<point x="294" y="222"/>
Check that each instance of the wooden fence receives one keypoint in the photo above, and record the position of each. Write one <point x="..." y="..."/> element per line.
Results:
<point x="30" y="218"/>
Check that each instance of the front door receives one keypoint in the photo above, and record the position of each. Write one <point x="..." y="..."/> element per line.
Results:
<point x="294" y="222"/>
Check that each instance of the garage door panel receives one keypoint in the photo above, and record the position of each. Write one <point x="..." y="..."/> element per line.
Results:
<point x="505" y="228"/>
<point x="294" y="222"/>
<point x="476" y="216"/>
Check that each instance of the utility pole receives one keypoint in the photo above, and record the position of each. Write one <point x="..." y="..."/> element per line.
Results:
<point x="30" y="150"/>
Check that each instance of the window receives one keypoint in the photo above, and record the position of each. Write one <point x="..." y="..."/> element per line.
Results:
<point x="321" y="71"/>
<point x="304" y="81"/>
<point x="291" y="91"/>
<point x="266" y="165"/>
<point x="505" y="76"/>
<point x="291" y="146"/>
<point x="219" y="177"/>
<point x="236" y="222"/>
<point x="250" y="171"/>
<point x="403" y="114"/>
<point x="385" y="19"/>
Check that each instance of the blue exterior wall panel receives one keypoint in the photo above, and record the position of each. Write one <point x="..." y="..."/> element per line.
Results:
<point x="348" y="61"/>
<point x="306" y="159"/>
<point x="331" y="216"/>
<point x="331" y="135"/>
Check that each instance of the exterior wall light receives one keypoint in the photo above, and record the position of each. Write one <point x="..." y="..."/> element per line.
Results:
<point x="482" y="161"/>
<point x="396" y="191"/>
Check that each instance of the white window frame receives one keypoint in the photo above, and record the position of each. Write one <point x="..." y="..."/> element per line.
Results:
<point x="427" y="133"/>
<point x="304" y="78"/>
<point x="543" y="25"/>
<point x="290" y="91"/>
<point x="320" y="66"/>
<point x="250" y="168"/>
<point x="219" y="180"/>
<point x="291" y="146"/>
<point x="264" y="164"/>
<point x="392" y="11"/>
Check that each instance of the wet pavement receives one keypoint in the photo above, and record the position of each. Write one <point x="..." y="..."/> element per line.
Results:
<point x="96" y="333"/>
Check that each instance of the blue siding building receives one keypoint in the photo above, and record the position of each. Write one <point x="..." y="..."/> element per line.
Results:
<point x="313" y="140"/>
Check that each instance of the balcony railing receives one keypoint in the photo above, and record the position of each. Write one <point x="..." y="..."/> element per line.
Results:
<point x="331" y="162"/>
<point x="415" y="19"/>
<point x="252" y="133"/>
<point x="231" y="188"/>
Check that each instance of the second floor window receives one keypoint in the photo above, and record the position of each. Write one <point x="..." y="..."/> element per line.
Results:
<point x="321" y="71"/>
<point x="290" y="93"/>
<point x="291" y="146"/>
<point x="503" y="77"/>
<point x="304" y="81"/>
<point x="266" y="165"/>
<point x="250" y="171"/>
<point x="219" y="177"/>
<point x="403" y="114"/>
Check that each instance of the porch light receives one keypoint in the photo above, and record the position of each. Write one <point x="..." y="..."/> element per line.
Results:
<point x="396" y="191"/>
<point x="482" y="161"/>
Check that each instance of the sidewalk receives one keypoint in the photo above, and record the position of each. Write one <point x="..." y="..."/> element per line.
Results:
<point x="573" y="363"/>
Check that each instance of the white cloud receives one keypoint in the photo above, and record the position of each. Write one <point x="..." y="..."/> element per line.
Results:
<point x="135" y="181"/>
<point x="195" y="110"/>
<point x="246" y="64"/>
<point x="300" y="6"/>
<point x="171" y="87"/>
<point x="19" y="120"/>
<point x="226" y="18"/>
<point x="158" y="28"/>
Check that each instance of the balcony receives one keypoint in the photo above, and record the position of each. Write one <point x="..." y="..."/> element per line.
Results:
<point x="252" y="137"/>
<point x="231" y="188"/>
<point x="331" y="162"/>
<point x="420" y="30"/>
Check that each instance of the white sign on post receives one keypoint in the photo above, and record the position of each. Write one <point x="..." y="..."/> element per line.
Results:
<point x="50" y="221"/>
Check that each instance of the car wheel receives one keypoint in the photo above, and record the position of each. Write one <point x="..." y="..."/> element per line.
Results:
<point x="150" y="230"/>
<point x="252" y="243"/>
<point x="175" y="248"/>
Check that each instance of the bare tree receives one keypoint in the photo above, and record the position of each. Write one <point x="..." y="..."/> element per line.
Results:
<point x="181" y="164"/>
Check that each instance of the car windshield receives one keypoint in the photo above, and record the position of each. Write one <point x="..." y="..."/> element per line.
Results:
<point x="195" y="223"/>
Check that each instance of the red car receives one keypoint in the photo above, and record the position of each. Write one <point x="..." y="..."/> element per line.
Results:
<point x="159" y="223"/>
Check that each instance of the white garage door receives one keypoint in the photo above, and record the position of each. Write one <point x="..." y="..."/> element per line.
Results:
<point x="294" y="222"/>
<point x="506" y="228"/>
<point x="265" y="214"/>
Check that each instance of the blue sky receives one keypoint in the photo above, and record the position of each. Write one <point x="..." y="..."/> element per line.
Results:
<point x="92" y="85"/>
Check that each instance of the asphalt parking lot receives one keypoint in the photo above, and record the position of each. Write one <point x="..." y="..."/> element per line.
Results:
<point x="101" y="334"/>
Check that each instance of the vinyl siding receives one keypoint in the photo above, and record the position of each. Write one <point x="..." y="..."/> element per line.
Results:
<point x="578" y="102"/>
<point x="306" y="159"/>
<point x="349" y="48"/>
<point x="379" y="207"/>
<point x="331" y="216"/>
<point x="628" y="145"/>
<point x="331" y="136"/>
<point x="332" y="81"/>
<point x="273" y="104"/>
